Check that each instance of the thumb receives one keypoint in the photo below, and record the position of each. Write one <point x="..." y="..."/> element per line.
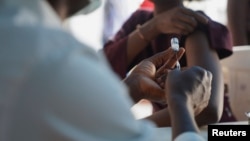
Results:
<point x="168" y="56"/>
<point x="201" y="18"/>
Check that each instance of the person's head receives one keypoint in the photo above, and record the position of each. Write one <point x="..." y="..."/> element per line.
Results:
<point x="67" y="8"/>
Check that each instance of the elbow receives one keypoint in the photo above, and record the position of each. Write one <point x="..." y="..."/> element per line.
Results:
<point x="210" y="115"/>
<point x="214" y="114"/>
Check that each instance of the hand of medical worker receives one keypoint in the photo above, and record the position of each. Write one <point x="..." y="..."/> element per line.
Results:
<point x="193" y="86"/>
<point x="141" y="80"/>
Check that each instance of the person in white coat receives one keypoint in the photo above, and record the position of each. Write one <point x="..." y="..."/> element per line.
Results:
<point x="53" y="88"/>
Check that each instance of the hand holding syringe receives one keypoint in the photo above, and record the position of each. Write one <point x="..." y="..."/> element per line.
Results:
<point x="175" y="46"/>
<point x="175" y="53"/>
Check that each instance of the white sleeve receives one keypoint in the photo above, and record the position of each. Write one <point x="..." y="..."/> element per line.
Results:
<point x="189" y="136"/>
<point x="92" y="104"/>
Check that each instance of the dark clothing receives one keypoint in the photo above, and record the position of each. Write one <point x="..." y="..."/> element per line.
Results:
<point x="115" y="50"/>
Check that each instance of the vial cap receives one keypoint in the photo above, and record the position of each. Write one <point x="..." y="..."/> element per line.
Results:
<point x="175" y="44"/>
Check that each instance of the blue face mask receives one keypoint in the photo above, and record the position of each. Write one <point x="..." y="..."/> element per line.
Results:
<point x="93" y="5"/>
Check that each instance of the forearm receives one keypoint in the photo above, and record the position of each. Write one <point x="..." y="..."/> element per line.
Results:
<point x="214" y="110"/>
<point x="182" y="119"/>
<point x="199" y="53"/>
<point x="161" y="118"/>
<point x="140" y="38"/>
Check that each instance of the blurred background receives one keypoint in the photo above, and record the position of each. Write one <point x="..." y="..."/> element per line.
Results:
<point x="106" y="21"/>
<point x="121" y="10"/>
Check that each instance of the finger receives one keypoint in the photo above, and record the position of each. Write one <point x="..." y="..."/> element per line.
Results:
<point x="160" y="58"/>
<point x="182" y="28"/>
<point x="177" y="56"/>
<point x="201" y="18"/>
<point x="209" y="79"/>
<point x="161" y="79"/>
<point x="198" y="16"/>
<point x="187" y="19"/>
<point x="171" y="74"/>
<point x="162" y="72"/>
<point x="169" y="64"/>
<point x="153" y="90"/>
<point x="210" y="75"/>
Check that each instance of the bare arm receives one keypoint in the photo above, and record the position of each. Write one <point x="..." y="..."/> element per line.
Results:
<point x="180" y="106"/>
<point x="161" y="118"/>
<point x="136" y="43"/>
<point x="177" y="20"/>
<point x="188" y="93"/>
<point x="199" y="53"/>
<point x="180" y="124"/>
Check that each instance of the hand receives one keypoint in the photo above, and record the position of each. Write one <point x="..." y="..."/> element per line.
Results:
<point x="179" y="20"/>
<point x="162" y="74"/>
<point x="191" y="86"/>
<point x="141" y="80"/>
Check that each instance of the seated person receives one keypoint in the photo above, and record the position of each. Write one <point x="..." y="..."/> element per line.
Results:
<point x="146" y="33"/>
<point x="55" y="88"/>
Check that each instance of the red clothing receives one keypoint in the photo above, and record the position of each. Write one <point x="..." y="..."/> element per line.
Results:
<point x="147" y="4"/>
<point x="115" y="50"/>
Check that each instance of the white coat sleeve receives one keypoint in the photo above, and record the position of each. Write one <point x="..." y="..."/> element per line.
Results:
<point x="189" y="136"/>
<point x="91" y="103"/>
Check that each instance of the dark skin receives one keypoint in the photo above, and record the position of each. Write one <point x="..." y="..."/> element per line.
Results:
<point x="171" y="17"/>
<point x="190" y="99"/>
<point x="187" y="92"/>
<point x="149" y="89"/>
<point x="196" y="50"/>
<point x="180" y="20"/>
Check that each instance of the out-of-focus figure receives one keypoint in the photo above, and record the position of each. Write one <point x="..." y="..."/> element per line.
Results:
<point x="239" y="21"/>
<point x="115" y="14"/>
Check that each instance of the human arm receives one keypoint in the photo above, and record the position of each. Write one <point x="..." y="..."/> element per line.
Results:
<point x="237" y="21"/>
<point x="79" y="98"/>
<point x="199" y="53"/>
<point x="127" y="44"/>
<point x="178" y="20"/>
<point x="141" y="80"/>
<point x="188" y="93"/>
<point x="217" y="39"/>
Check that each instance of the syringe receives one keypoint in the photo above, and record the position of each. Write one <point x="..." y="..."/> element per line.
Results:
<point x="175" y="46"/>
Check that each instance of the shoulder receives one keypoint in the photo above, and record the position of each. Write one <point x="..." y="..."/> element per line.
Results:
<point x="212" y="24"/>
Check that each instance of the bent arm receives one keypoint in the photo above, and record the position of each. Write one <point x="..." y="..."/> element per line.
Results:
<point x="199" y="53"/>
<point x="127" y="43"/>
